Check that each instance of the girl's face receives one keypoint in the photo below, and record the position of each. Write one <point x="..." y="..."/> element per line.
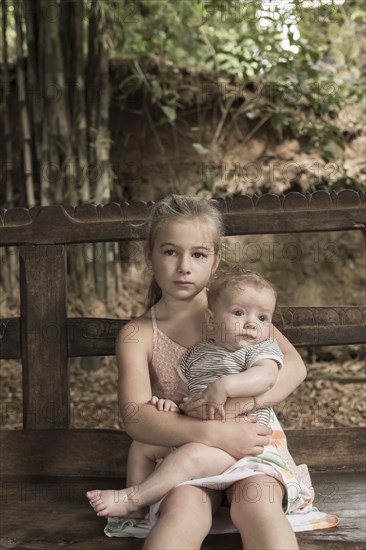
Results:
<point x="183" y="258"/>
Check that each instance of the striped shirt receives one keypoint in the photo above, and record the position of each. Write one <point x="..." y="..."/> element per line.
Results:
<point x="205" y="362"/>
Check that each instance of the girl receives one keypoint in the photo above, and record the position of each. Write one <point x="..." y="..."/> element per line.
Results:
<point x="183" y="251"/>
<point x="242" y="359"/>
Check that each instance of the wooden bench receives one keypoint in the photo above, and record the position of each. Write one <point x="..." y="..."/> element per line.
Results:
<point x="47" y="467"/>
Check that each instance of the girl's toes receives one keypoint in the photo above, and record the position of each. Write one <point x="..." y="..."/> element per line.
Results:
<point x="100" y="507"/>
<point x="91" y="495"/>
<point x="96" y="503"/>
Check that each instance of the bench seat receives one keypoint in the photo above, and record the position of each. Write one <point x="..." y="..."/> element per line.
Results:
<point x="52" y="512"/>
<point x="43" y="502"/>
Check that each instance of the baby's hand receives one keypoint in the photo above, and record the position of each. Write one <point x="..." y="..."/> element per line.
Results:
<point x="165" y="405"/>
<point x="210" y="402"/>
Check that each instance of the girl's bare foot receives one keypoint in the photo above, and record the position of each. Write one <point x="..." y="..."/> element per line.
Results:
<point x="112" y="503"/>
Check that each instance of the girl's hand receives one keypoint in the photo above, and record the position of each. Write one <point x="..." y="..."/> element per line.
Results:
<point x="165" y="405"/>
<point x="241" y="436"/>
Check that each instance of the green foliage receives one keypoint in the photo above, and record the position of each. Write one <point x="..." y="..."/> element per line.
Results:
<point x="301" y="59"/>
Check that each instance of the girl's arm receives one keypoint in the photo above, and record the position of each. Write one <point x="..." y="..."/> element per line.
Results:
<point x="146" y="424"/>
<point x="289" y="378"/>
<point x="261" y="376"/>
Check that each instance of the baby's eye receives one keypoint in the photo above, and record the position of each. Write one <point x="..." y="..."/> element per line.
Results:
<point x="262" y="317"/>
<point x="238" y="313"/>
<point x="199" y="255"/>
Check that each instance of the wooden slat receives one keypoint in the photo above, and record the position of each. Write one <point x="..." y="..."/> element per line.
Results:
<point x="322" y="325"/>
<point x="88" y="336"/>
<point x="64" y="452"/>
<point x="264" y="223"/>
<point x="268" y="214"/>
<point x="96" y="453"/>
<point x="303" y="326"/>
<point x="10" y="338"/>
<point x="310" y="327"/>
<point x="329" y="449"/>
<point x="49" y="513"/>
<point x="339" y="315"/>
<point x="320" y="200"/>
<point x="98" y="336"/>
<point x="54" y="225"/>
<point x="325" y="336"/>
<point x="43" y="337"/>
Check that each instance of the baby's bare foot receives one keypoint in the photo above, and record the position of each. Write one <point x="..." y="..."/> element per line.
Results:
<point x="112" y="503"/>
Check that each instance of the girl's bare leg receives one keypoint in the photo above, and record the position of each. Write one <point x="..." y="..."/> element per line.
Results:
<point x="185" y="519"/>
<point x="140" y="464"/>
<point x="256" y="510"/>
<point x="190" y="461"/>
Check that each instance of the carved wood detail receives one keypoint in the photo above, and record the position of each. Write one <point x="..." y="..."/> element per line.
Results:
<point x="294" y="212"/>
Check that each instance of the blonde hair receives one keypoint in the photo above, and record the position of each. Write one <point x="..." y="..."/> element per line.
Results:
<point x="181" y="208"/>
<point x="234" y="277"/>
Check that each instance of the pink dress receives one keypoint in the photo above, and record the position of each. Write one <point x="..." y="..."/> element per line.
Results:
<point x="166" y="357"/>
<point x="275" y="461"/>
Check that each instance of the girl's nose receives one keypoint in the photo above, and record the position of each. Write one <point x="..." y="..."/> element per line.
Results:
<point x="184" y="265"/>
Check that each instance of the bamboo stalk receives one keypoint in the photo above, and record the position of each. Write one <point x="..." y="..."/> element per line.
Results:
<point x="9" y="194"/>
<point x="35" y="97"/>
<point x="117" y="270"/>
<point x="98" y="106"/>
<point x="24" y="112"/>
<point x="60" y="153"/>
<point x="91" y="89"/>
<point x="51" y="181"/>
<point x="80" y="128"/>
<point x="10" y="263"/>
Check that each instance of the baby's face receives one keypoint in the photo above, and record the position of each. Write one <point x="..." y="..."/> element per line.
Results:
<point x="242" y="316"/>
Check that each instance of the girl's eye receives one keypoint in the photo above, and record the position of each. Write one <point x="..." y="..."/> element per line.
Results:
<point x="169" y="252"/>
<point x="199" y="255"/>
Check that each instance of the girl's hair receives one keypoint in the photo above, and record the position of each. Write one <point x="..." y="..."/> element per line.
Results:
<point x="181" y="208"/>
<point x="236" y="277"/>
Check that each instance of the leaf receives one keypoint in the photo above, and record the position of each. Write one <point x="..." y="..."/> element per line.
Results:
<point x="157" y="90"/>
<point x="338" y="56"/>
<point x="200" y="149"/>
<point x="333" y="29"/>
<point x="169" y="112"/>
<point x="127" y="81"/>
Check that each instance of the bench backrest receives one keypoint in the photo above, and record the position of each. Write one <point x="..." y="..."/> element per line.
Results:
<point x="44" y="338"/>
